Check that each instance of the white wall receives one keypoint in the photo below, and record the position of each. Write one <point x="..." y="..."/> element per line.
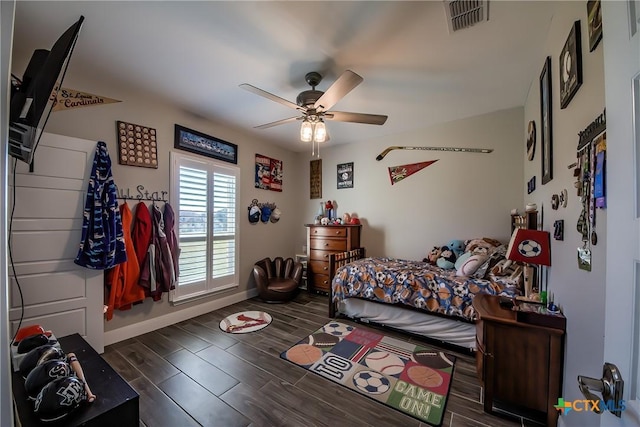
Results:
<point x="256" y="241"/>
<point x="580" y="293"/>
<point x="461" y="196"/>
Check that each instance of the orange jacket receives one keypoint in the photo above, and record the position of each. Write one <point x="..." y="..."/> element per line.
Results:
<point x="122" y="280"/>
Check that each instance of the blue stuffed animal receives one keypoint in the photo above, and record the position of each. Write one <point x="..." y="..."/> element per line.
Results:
<point x="450" y="254"/>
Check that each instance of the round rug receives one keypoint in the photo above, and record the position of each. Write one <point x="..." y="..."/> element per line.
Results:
<point x="245" y="321"/>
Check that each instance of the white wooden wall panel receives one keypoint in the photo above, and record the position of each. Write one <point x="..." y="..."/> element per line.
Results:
<point x="47" y="228"/>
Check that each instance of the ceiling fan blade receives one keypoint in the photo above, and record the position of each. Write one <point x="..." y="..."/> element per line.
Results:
<point x="278" y="122"/>
<point x="342" y="116"/>
<point x="345" y="84"/>
<point x="264" y="93"/>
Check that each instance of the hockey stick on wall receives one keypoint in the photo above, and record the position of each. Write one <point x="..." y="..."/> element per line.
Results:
<point x="456" y="149"/>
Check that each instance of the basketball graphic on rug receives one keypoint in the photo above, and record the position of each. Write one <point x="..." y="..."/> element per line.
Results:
<point x="322" y="339"/>
<point x="434" y="359"/>
<point x="424" y="376"/>
<point x="371" y="382"/>
<point x="245" y="321"/>
<point x="304" y="354"/>
<point x="384" y="362"/>
<point x="338" y="329"/>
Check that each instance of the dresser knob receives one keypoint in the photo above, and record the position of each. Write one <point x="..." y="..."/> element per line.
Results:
<point x="325" y="268"/>
<point x="326" y="244"/>
<point x="337" y="232"/>
<point x="326" y="256"/>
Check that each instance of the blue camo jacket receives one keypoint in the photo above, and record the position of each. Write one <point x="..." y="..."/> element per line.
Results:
<point x="102" y="245"/>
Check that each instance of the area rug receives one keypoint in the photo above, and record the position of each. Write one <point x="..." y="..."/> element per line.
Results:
<point x="407" y="377"/>
<point x="245" y="321"/>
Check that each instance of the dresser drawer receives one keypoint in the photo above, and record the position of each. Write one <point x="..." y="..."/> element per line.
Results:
<point x="328" y="244"/>
<point x="332" y="231"/>
<point x="320" y="255"/>
<point x="319" y="267"/>
<point x="321" y="282"/>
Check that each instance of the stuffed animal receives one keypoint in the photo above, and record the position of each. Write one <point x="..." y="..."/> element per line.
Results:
<point x="433" y="255"/>
<point x="447" y="258"/>
<point x="457" y="246"/>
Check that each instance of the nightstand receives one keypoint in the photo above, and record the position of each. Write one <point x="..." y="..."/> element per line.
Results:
<point x="519" y="360"/>
<point x="302" y="259"/>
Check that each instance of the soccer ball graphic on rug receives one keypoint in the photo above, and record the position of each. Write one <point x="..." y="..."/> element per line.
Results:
<point x="371" y="382"/>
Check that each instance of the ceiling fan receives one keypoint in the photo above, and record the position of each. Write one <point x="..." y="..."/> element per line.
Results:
<point x="314" y="105"/>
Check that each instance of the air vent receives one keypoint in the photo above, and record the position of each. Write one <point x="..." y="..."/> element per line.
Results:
<point x="463" y="14"/>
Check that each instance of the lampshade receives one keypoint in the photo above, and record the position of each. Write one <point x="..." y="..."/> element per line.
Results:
<point x="306" y="131"/>
<point x="320" y="132"/>
<point x="530" y="247"/>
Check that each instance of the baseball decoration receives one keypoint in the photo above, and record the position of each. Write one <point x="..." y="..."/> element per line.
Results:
<point x="245" y="321"/>
<point x="137" y="145"/>
<point x="371" y="382"/>
<point x="384" y="362"/>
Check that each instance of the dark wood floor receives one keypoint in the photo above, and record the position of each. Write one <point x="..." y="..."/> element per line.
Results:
<point x="192" y="374"/>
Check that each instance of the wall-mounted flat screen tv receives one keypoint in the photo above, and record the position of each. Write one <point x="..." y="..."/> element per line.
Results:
<point x="32" y="98"/>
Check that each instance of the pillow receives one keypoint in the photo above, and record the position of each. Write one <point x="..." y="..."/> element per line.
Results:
<point x="468" y="263"/>
<point x="496" y="255"/>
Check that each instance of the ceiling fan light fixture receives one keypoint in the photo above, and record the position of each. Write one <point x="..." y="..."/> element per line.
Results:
<point x="306" y="131"/>
<point x="320" y="132"/>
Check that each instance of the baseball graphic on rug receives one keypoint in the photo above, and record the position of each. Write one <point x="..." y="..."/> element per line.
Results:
<point x="384" y="362"/>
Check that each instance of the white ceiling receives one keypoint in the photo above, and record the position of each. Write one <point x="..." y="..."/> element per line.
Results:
<point x="197" y="53"/>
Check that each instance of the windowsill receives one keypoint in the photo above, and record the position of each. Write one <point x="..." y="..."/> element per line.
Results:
<point x="201" y="295"/>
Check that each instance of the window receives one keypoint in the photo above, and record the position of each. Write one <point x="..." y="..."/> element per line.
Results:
<point x="204" y="194"/>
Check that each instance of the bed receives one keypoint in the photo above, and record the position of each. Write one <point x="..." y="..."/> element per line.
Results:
<point x="412" y="296"/>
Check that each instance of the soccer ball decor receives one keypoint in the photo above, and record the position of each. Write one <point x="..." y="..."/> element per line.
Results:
<point x="371" y="382"/>
<point x="529" y="248"/>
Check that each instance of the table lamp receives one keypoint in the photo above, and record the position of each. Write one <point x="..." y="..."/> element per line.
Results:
<point x="530" y="247"/>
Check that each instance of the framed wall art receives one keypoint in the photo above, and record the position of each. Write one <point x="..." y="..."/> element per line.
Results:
<point x="345" y="175"/>
<point x="200" y="143"/>
<point x="315" y="179"/>
<point x="546" y="133"/>
<point x="570" y="66"/>
<point x="137" y="145"/>
<point x="594" y="22"/>
<point x="531" y="140"/>
<point x="268" y="173"/>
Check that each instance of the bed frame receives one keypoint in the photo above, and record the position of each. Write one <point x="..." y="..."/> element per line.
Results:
<point x="336" y="261"/>
<point x="342" y="258"/>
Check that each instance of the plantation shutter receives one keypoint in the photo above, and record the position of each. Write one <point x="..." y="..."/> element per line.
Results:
<point x="207" y="198"/>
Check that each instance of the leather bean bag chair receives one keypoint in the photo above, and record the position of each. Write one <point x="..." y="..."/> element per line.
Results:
<point x="277" y="280"/>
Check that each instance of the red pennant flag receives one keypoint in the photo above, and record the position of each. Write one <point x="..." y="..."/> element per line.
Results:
<point x="398" y="173"/>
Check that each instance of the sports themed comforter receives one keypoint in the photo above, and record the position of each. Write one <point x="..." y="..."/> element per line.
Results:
<point x="414" y="283"/>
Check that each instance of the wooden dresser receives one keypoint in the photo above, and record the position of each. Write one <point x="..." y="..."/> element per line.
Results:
<point x="519" y="362"/>
<point x="322" y="241"/>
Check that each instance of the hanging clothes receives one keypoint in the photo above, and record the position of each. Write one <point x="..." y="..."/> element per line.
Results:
<point x="141" y="234"/>
<point x="157" y="274"/>
<point x="172" y="239"/>
<point x="102" y="244"/>
<point x="122" y="280"/>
